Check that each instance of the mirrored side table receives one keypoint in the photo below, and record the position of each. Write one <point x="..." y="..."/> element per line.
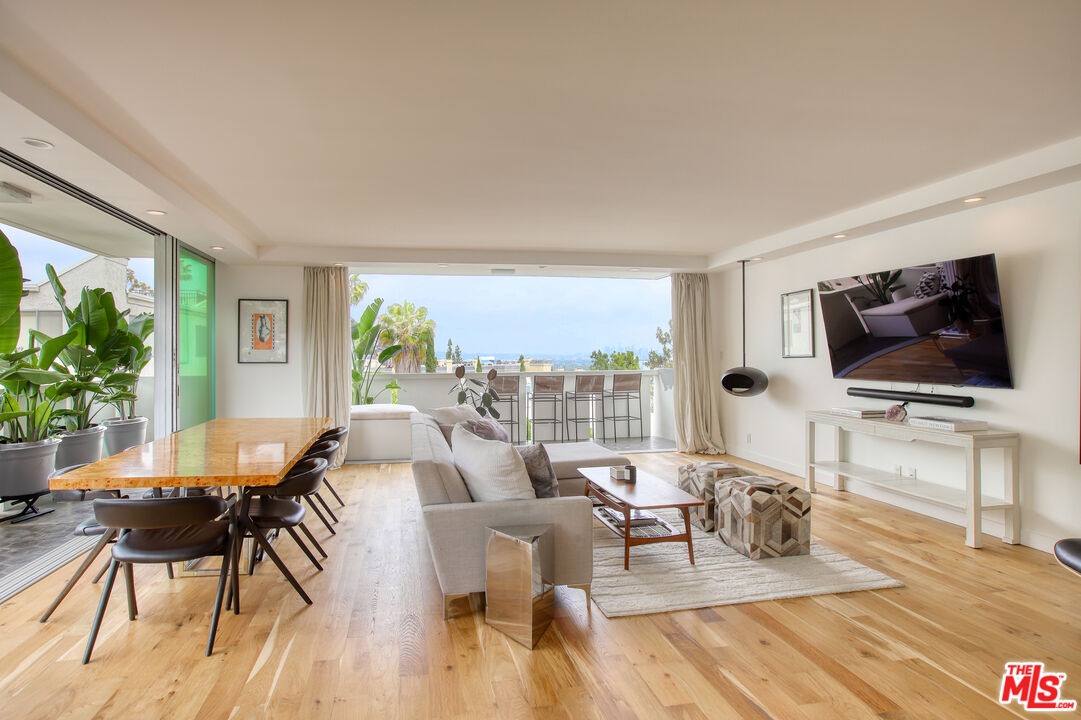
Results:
<point x="519" y="596"/>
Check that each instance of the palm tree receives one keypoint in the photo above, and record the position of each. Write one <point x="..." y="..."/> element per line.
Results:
<point x="357" y="290"/>
<point x="407" y="325"/>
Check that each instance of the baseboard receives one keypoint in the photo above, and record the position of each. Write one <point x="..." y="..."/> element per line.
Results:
<point x="377" y="462"/>
<point x="745" y="452"/>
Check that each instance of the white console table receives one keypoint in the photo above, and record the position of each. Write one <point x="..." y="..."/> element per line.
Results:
<point x="972" y="501"/>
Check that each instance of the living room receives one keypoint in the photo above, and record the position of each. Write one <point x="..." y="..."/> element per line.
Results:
<point x="648" y="544"/>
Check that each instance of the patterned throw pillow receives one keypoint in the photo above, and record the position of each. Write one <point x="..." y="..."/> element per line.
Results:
<point x="541" y="472"/>
<point x="486" y="428"/>
<point x="930" y="284"/>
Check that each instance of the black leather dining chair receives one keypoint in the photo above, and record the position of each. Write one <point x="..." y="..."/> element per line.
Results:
<point x="166" y="530"/>
<point x="273" y="507"/>
<point x="339" y="435"/>
<point x="325" y="449"/>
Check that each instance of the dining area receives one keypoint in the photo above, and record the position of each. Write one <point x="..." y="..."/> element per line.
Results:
<point x="214" y="501"/>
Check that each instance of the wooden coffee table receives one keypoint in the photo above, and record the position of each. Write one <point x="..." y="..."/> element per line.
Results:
<point x="648" y="493"/>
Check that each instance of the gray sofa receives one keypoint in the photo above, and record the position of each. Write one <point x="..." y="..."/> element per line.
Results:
<point x="457" y="526"/>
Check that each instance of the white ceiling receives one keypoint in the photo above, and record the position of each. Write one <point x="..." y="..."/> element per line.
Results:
<point x="684" y="129"/>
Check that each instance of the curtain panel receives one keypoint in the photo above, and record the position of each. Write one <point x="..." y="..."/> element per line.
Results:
<point x="327" y="367"/>
<point x="697" y="389"/>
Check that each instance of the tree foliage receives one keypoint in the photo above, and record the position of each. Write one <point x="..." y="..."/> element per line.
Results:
<point x="357" y="290"/>
<point x="663" y="359"/>
<point x="135" y="285"/>
<point x="521" y="363"/>
<point x="618" y="360"/>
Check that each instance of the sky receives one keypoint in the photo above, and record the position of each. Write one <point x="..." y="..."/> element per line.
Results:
<point x="535" y="316"/>
<point x="35" y="251"/>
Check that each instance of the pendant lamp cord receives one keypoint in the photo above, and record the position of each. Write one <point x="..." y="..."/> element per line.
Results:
<point x="743" y="266"/>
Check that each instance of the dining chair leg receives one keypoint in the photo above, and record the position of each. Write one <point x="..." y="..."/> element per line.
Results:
<point x="109" y="579"/>
<point x="87" y="562"/>
<point x="129" y="582"/>
<point x="334" y="492"/>
<point x="318" y="548"/>
<point x="269" y="550"/>
<point x="101" y="573"/>
<point x="319" y="514"/>
<point x="237" y="546"/>
<point x="254" y="556"/>
<point x="325" y="506"/>
<point x="225" y="562"/>
<point x="296" y="538"/>
<point x="169" y="570"/>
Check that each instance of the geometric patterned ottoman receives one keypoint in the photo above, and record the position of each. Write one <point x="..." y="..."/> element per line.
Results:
<point x="699" y="479"/>
<point x="763" y="517"/>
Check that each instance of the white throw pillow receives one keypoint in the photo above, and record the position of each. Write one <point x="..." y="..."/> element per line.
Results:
<point x="492" y="470"/>
<point x="448" y="417"/>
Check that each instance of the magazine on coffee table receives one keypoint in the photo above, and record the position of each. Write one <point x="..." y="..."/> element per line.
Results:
<point x="639" y="518"/>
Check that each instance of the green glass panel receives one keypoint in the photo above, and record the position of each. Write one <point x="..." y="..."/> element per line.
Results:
<point x="195" y="340"/>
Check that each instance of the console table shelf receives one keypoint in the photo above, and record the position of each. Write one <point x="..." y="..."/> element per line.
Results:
<point x="971" y="500"/>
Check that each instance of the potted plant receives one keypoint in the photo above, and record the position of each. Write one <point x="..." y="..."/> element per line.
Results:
<point x="960" y="310"/>
<point x="93" y="320"/>
<point x="368" y="358"/>
<point x="127" y="348"/>
<point x="27" y="417"/>
<point x="480" y="399"/>
<point x="881" y="285"/>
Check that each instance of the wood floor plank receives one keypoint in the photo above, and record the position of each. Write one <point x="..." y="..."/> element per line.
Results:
<point x="375" y="644"/>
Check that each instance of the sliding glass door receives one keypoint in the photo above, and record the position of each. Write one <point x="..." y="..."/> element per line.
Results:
<point x="195" y="338"/>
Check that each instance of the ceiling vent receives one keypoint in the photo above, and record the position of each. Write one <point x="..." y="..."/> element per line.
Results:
<point x="502" y="271"/>
<point x="13" y="194"/>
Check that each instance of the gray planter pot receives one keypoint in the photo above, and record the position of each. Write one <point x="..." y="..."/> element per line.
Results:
<point x="121" y="434"/>
<point x="81" y="446"/>
<point x="25" y="467"/>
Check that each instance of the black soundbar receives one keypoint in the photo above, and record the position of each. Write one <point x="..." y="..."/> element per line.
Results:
<point x="964" y="401"/>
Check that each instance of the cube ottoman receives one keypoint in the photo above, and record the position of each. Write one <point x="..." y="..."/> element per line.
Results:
<point x="699" y="479"/>
<point x="763" y="517"/>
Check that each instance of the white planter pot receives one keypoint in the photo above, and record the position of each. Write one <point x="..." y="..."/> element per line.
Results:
<point x="121" y="434"/>
<point x="25" y="467"/>
<point x="81" y="446"/>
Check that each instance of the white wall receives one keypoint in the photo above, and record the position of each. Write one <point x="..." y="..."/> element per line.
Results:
<point x="1037" y="239"/>
<point x="256" y="390"/>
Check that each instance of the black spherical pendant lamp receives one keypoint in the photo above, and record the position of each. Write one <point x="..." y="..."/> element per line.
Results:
<point x="744" y="381"/>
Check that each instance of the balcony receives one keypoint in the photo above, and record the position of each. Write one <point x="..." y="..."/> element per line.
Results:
<point x="431" y="390"/>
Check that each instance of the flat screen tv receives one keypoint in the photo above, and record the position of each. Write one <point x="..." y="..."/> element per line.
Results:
<point x="939" y="323"/>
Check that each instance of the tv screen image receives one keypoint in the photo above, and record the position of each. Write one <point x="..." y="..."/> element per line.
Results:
<point x="939" y="323"/>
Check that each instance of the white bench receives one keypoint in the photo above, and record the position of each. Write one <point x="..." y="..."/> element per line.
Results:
<point x="379" y="432"/>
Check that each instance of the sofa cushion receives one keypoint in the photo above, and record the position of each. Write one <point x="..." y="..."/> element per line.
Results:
<point x="448" y="417"/>
<point x="492" y="470"/>
<point x="487" y="428"/>
<point x="568" y="457"/>
<point x="541" y="473"/>
<point x="437" y="479"/>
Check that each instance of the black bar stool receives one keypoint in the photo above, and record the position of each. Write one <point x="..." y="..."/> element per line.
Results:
<point x="588" y="389"/>
<point x="507" y="388"/>
<point x="628" y="388"/>
<point x="547" y="389"/>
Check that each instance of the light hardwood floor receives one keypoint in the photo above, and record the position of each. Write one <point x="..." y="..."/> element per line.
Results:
<point x="374" y="644"/>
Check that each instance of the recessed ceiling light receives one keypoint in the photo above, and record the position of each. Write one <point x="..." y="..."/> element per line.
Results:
<point x="444" y="265"/>
<point x="38" y="143"/>
<point x="636" y="269"/>
<point x="838" y="236"/>
<point x="973" y="199"/>
<point x="339" y="264"/>
<point x="216" y="247"/>
<point x="155" y="212"/>
<point x="756" y="259"/>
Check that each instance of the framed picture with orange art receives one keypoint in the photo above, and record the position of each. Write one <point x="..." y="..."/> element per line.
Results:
<point x="262" y="331"/>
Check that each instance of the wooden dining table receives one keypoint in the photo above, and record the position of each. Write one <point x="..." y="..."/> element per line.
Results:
<point x="229" y="452"/>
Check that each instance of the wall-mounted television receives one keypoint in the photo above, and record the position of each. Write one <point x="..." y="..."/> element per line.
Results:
<point x="939" y="323"/>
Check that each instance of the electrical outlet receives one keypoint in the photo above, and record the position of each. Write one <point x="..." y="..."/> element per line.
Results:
<point x="899" y="469"/>
<point x="748" y="438"/>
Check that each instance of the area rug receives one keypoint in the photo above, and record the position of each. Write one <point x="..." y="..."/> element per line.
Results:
<point x="661" y="578"/>
<point x="35" y="570"/>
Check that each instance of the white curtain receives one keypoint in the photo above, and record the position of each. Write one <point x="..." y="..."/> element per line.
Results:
<point x="326" y="345"/>
<point x="697" y="388"/>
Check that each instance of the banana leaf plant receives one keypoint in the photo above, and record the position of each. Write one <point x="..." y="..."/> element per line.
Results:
<point x="128" y="348"/>
<point x="881" y="285"/>
<point x="368" y="357"/>
<point x="11" y="294"/>
<point x="31" y="389"/>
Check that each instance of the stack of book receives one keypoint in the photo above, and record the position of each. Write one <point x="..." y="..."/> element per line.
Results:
<point x="638" y="517"/>
<point x="935" y="422"/>
<point x="855" y="412"/>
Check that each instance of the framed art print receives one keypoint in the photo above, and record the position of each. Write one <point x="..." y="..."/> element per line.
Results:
<point x="262" y="331"/>
<point x="797" y="324"/>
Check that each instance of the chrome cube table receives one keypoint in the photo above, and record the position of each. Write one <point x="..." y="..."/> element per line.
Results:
<point x="519" y="597"/>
